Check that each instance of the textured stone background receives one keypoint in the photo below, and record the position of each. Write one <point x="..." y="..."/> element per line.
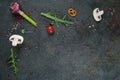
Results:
<point x="74" y="52"/>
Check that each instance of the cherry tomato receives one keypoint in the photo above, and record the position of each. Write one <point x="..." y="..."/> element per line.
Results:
<point x="50" y="29"/>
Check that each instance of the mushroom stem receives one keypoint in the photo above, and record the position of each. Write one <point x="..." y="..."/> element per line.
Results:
<point x="101" y="12"/>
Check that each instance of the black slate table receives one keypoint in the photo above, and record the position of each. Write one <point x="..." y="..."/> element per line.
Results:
<point x="87" y="50"/>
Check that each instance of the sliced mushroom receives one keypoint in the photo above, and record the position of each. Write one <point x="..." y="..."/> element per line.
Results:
<point x="16" y="39"/>
<point x="97" y="14"/>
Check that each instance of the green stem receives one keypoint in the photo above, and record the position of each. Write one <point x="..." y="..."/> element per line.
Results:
<point x="56" y="19"/>
<point x="29" y="19"/>
<point x="64" y="17"/>
<point x="12" y="61"/>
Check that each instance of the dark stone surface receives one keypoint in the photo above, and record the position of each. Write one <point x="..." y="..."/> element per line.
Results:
<point x="74" y="52"/>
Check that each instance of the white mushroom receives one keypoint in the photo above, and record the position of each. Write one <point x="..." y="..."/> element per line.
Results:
<point x="16" y="39"/>
<point x="97" y="14"/>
